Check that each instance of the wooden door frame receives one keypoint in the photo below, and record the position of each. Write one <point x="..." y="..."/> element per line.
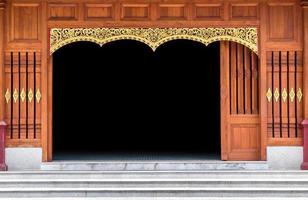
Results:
<point x="47" y="144"/>
<point x="224" y="99"/>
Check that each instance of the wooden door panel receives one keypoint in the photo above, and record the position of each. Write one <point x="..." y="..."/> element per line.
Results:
<point x="244" y="139"/>
<point x="240" y="126"/>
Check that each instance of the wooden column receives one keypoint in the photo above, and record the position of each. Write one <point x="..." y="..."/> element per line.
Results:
<point x="305" y="82"/>
<point x="2" y="16"/>
<point x="3" y="126"/>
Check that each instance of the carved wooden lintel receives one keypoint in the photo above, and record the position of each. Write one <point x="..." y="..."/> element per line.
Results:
<point x="153" y="37"/>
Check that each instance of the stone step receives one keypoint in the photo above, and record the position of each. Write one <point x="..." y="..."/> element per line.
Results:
<point x="159" y="198"/>
<point x="154" y="192"/>
<point x="154" y="165"/>
<point x="220" y="175"/>
<point x="154" y="183"/>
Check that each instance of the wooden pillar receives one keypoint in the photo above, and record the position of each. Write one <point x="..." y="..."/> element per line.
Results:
<point x="2" y="123"/>
<point x="2" y="18"/>
<point x="305" y="82"/>
<point x="3" y="126"/>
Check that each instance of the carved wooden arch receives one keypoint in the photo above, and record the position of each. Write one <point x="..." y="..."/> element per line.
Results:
<point x="153" y="37"/>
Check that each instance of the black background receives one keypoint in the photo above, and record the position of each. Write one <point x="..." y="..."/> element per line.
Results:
<point x="125" y="97"/>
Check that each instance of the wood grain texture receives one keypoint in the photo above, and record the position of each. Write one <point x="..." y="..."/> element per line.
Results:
<point x="244" y="11"/>
<point x="208" y="11"/>
<point x="135" y="12"/>
<point x="241" y="138"/>
<point x="62" y="11"/>
<point x="25" y="21"/>
<point x="172" y="12"/>
<point x="99" y="11"/>
<point x="280" y="24"/>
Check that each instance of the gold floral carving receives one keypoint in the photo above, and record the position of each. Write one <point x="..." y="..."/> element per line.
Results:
<point x="153" y="37"/>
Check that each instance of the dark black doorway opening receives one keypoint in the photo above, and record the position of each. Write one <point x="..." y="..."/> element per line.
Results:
<point x="125" y="99"/>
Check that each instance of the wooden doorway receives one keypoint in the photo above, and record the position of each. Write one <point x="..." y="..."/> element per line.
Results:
<point x="164" y="102"/>
<point x="240" y="132"/>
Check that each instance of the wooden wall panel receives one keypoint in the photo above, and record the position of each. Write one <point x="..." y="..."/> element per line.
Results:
<point x="281" y="22"/>
<point x="244" y="11"/>
<point x="99" y="11"/>
<point x="135" y="11"/>
<point x="284" y="83"/>
<point x="208" y="11"/>
<point x="25" y="22"/>
<point x="172" y="12"/>
<point x="62" y="11"/>
<point x="280" y="25"/>
<point x="23" y="90"/>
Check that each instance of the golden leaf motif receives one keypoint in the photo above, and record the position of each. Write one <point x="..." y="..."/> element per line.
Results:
<point x="7" y="95"/>
<point x="284" y="95"/>
<point x="15" y="95"/>
<point x="269" y="95"/>
<point x="153" y="37"/>
<point x="276" y="94"/>
<point x="292" y="94"/>
<point x="299" y="94"/>
<point x="38" y="96"/>
<point x="30" y="95"/>
<point x="23" y="95"/>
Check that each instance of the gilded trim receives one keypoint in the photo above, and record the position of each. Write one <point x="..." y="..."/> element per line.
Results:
<point x="153" y="37"/>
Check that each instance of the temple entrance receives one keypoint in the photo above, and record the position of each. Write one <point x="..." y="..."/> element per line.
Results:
<point x="123" y="99"/>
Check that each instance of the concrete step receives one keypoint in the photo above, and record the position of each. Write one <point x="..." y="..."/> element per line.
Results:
<point x="154" y="192"/>
<point x="159" y="198"/>
<point x="154" y="184"/>
<point x="116" y="175"/>
<point x="131" y="183"/>
<point x="189" y="165"/>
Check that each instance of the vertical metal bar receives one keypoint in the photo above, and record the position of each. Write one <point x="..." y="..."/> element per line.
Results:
<point x="236" y="61"/>
<point x="19" y="84"/>
<point x="244" y="79"/>
<point x="251" y="77"/>
<point x="280" y="105"/>
<point x="230" y="78"/>
<point x="257" y="79"/>
<point x="27" y="90"/>
<point x="34" y="88"/>
<point x="295" y="77"/>
<point x="273" y="110"/>
<point x="288" y="89"/>
<point x="12" y="89"/>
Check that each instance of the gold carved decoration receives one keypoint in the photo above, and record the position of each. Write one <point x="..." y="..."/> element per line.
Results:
<point x="292" y="94"/>
<point x="153" y="37"/>
<point x="15" y="95"/>
<point x="23" y="95"/>
<point x="38" y="96"/>
<point x="284" y="95"/>
<point x="269" y="95"/>
<point x="299" y="94"/>
<point x="276" y="94"/>
<point x="7" y="95"/>
<point x="30" y="95"/>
